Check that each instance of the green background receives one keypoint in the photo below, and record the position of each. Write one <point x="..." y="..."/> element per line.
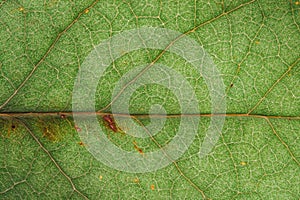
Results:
<point x="254" y="44"/>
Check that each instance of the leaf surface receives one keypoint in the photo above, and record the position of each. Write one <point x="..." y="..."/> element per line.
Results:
<point x="255" y="46"/>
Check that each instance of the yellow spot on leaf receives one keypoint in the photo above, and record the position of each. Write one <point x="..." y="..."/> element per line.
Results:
<point x="100" y="177"/>
<point x="12" y="127"/>
<point x="86" y="11"/>
<point x="297" y="2"/>
<point x="50" y="134"/>
<point x="136" y="180"/>
<point x="152" y="187"/>
<point x="243" y="163"/>
<point x="21" y="9"/>
<point x="257" y="42"/>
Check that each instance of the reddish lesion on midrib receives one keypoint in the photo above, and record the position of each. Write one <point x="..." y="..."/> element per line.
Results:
<point x="110" y="122"/>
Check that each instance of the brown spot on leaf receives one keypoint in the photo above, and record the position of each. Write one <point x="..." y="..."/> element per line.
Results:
<point x="62" y="116"/>
<point x="77" y="128"/>
<point x="81" y="143"/>
<point x="137" y="148"/>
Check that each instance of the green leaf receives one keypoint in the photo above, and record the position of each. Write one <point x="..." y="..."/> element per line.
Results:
<point x="255" y="47"/>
